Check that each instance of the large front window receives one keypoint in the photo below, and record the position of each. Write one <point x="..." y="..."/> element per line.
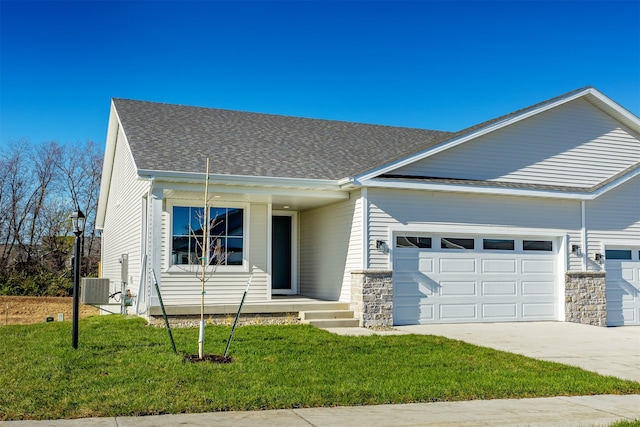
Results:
<point x="225" y="236"/>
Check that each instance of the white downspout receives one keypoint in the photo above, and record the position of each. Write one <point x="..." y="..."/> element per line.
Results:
<point x="149" y="234"/>
<point x="269" y="289"/>
<point x="154" y="260"/>
<point x="365" y="229"/>
<point x="585" y="248"/>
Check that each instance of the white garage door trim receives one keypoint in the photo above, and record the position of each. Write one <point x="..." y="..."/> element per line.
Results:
<point x="446" y="283"/>
<point x="622" y="265"/>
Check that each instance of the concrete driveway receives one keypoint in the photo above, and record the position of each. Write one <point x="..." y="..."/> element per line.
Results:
<point x="607" y="351"/>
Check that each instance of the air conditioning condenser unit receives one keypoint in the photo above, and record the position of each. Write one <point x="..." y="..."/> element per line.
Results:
<point x="94" y="291"/>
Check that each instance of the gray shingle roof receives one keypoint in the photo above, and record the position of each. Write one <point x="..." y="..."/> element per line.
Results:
<point x="178" y="138"/>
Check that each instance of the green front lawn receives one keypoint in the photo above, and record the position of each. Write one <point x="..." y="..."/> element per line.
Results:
<point x="123" y="367"/>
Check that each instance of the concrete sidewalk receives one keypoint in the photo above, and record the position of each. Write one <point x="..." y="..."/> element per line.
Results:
<point x="554" y="411"/>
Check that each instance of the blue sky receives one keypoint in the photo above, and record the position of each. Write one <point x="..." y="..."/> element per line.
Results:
<point x="441" y="65"/>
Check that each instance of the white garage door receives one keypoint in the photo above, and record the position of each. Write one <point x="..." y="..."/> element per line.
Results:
<point x="623" y="286"/>
<point x="445" y="279"/>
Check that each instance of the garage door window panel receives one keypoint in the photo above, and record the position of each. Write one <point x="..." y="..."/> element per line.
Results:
<point x="456" y="243"/>
<point x="537" y="245"/>
<point x="617" y="254"/>
<point x="413" y="242"/>
<point x="498" y="244"/>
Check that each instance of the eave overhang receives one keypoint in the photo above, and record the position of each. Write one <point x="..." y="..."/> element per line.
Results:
<point x="501" y="188"/>
<point x="299" y="193"/>
<point x="240" y="180"/>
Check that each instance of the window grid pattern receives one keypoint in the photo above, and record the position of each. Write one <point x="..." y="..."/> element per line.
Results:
<point x="225" y="236"/>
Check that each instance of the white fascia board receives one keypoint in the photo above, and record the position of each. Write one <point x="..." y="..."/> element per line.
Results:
<point x="464" y="138"/>
<point x="622" y="113"/>
<point x="218" y="188"/>
<point x="114" y="128"/>
<point x="621" y="180"/>
<point x="107" y="165"/>
<point x="346" y="182"/>
<point x="400" y="184"/>
<point x="241" y="180"/>
<point x="476" y="189"/>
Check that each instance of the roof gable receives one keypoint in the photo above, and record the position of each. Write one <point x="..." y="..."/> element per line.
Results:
<point x="573" y="145"/>
<point x="603" y="128"/>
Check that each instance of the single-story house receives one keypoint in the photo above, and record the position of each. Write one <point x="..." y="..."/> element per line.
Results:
<point x="531" y="216"/>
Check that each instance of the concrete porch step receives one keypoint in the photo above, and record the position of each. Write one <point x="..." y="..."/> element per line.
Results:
<point x="333" y="323"/>
<point x="326" y="314"/>
<point x="329" y="318"/>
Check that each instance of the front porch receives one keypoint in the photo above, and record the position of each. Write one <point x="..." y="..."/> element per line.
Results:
<point x="317" y="312"/>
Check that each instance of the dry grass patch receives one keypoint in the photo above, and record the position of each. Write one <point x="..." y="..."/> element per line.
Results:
<point x="29" y="310"/>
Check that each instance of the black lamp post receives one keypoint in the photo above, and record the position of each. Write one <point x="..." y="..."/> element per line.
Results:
<point x="77" y="219"/>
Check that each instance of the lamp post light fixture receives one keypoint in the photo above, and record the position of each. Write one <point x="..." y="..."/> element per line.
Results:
<point x="77" y="219"/>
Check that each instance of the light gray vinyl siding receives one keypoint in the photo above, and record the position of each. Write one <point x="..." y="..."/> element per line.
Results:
<point x="614" y="218"/>
<point x="574" y="238"/>
<point x="574" y="144"/>
<point x="123" y="219"/>
<point x="406" y="208"/>
<point x="330" y="248"/>
<point x="182" y="286"/>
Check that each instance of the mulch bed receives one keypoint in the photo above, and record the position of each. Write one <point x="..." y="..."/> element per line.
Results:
<point x="213" y="358"/>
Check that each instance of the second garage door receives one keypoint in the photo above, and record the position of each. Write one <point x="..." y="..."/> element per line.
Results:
<point x="456" y="279"/>
<point x="623" y="286"/>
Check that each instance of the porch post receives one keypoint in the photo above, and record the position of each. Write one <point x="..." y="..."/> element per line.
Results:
<point x="155" y="239"/>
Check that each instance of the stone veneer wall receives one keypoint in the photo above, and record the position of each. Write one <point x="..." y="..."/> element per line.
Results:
<point x="372" y="297"/>
<point x="585" y="298"/>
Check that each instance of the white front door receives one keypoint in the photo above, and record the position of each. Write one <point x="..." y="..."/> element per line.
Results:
<point x="623" y="285"/>
<point x="461" y="279"/>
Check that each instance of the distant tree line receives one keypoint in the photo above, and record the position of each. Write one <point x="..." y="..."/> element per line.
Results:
<point x="40" y="186"/>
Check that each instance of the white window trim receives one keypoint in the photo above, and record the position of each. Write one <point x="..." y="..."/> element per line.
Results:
<point x="196" y="268"/>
